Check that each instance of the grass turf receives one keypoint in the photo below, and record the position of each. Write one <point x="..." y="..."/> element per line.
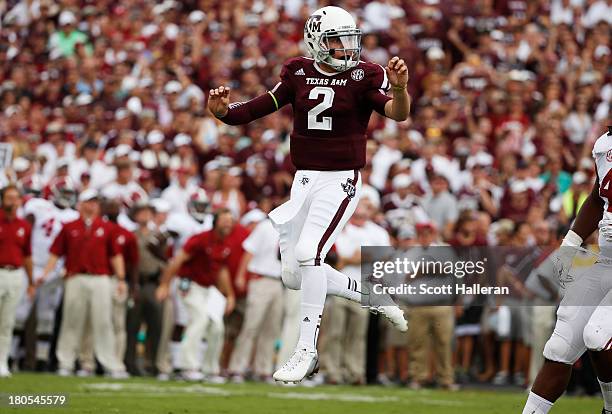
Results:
<point x="148" y="396"/>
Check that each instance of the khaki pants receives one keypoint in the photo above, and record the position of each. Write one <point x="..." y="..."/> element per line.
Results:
<point x="88" y="298"/>
<point x="118" y="316"/>
<point x="543" y="323"/>
<point x="200" y="325"/>
<point x="262" y="322"/>
<point x="11" y="289"/>
<point x="163" y="360"/>
<point x="291" y="325"/>
<point x="344" y="344"/>
<point x="431" y="330"/>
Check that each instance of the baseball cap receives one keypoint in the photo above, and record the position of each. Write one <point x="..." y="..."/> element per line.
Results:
<point x="196" y="16"/>
<point x="20" y="164"/>
<point x="519" y="186"/>
<point x="88" y="195"/>
<point x="401" y="181"/>
<point x="435" y="53"/>
<point x="181" y="139"/>
<point x="122" y="150"/>
<point x="54" y="128"/>
<point x="173" y="87"/>
<point x="83" y="99"/>
<point x="160" y="205"/>
<point x="579" y="177"/>
<point x="66" y="17"/>
<point x="155" y="137"/>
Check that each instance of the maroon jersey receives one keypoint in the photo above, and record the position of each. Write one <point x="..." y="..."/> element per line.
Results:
<point x="330" y="111"/>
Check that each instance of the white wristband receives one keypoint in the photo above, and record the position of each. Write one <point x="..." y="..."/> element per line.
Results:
<point x="572" y="239"/>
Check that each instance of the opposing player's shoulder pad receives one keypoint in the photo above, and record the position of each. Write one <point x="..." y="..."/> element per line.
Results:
<point x="603" y="144"/>
<point x="376" y="76"/>
<point x="36" y="205"/>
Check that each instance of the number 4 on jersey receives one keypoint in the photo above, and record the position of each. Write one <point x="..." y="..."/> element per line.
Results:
<point x="48" y="227"/>
<point x="605" y="189"/>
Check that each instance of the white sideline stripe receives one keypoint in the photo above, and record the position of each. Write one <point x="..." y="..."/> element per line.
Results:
<point x="113" y="387"/>
<point x="325" y="396"/>
<point x="166" y="389"/>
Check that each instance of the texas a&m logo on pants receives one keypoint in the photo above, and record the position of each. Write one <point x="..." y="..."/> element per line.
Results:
<point x="348" y="188"/>
<point x="609" y="156"/>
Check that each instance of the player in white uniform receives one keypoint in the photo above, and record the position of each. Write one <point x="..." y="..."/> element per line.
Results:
<point x="47" y="218"/>
<point x="180" y="227"/>
<point x="584" y="318"/>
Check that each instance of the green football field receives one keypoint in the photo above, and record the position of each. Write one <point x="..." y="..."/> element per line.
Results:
<point x="101" y="395"/>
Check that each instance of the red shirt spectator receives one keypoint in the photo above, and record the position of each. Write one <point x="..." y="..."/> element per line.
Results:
<point x="14" y="241"/>
<point x="88" y="249"/>
<point x="208" y="253"/>
<point x="128" y="246"/>
<point x="233" y="242"/>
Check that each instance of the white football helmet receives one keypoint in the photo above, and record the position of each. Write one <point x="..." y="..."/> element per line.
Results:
<point x="198" y="205"/>
<point x="338" y="26"/>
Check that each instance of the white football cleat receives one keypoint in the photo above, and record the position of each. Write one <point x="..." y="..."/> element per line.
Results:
<point x="303" y="363"/>
<point x="4" y="372"/>
<point x="394" y="314"/>
<point x="214" y="379"/>
<point x="192" y="375"/>
<point x="63" y="372"/>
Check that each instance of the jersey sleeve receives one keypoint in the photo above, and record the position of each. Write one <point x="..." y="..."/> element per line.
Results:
<point x="58" y="248"/>
<point x="244" y="112"/>
<point x="378" y="87"/>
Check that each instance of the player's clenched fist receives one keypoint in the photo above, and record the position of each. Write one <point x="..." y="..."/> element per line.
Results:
<point x="397" y="71"/>
<point x="218" y="101"/>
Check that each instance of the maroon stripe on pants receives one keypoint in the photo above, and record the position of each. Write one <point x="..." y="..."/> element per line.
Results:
<point x="334" y="223"/>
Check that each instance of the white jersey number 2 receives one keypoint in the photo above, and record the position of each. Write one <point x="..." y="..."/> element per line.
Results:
<point x="328" y="98"/>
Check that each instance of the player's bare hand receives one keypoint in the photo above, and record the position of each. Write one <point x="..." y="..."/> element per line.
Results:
<point x="397" y="71"/>
<point x="230" y="304"/>
<point x="121" y="290"/>
<point x="161" y="293"/>
<point x="31" y="291"/>
<point x="218" y="101"/>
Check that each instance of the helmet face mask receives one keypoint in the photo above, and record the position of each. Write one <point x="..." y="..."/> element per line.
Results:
<point x="64" y="194"/>
<point x="331" y="37"/>
<point x="198" y="206"/>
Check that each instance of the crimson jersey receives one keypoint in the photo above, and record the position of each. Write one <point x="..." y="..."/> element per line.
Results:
<point x="330" y="112"/>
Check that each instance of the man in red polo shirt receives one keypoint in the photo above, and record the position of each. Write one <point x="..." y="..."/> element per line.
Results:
<point x="128" y="247"/>
<point x="14" y="254"/>
<point x="90" y="251"/>
<point x="202" y="262"/>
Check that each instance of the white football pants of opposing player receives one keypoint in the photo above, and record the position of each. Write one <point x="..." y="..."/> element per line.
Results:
<point x="308" y="224"/>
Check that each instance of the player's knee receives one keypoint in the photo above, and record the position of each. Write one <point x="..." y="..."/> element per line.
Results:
<point x="306" y="252"/>
<point x="559" y="350"/>
<point x="291" y="279"/>
<point x="596" y="338"/>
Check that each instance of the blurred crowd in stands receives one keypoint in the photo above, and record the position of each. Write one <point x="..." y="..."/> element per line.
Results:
<point x="508" y="97"/>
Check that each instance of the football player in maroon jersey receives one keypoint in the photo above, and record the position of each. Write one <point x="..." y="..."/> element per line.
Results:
<point x="333" y="94"/>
